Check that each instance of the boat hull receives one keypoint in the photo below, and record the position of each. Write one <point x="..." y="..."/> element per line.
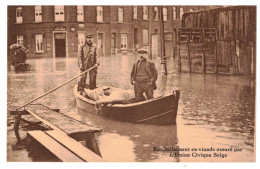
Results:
<point x="159" y="111"/>
<point x="21" y="67"/>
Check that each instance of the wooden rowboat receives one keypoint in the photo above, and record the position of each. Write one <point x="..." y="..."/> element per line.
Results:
<point x="21" y="67"/>
<point x="160" y="111"/>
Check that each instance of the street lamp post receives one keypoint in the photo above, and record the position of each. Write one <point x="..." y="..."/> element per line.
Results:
<point x="163" y="55"/>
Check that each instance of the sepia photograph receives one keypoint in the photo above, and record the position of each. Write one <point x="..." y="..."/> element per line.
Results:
<point x="130" y="83"/>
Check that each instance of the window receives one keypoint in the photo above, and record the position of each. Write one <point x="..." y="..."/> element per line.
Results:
<point x="174" y="13"/>
<point x="135" y="12"/>
<point x="123" y="41"/>
<point x="145" y="37"/>
<point x="99" y="14"/>
<point x="20" y="39"/>
<point x="145" y="12"/>
<point x="191" y="10"/>
<point x="181" y="13"/>
<point x="164" y="14"/>
<point x="19" y="15"/>
<point x="80" y="13"/>
<point x="38" y="14"/>
<point x="156" y="13"/>
<point x="59" y="13"/>
<point x="39" y="43"/>
<point x="120" y="15"/>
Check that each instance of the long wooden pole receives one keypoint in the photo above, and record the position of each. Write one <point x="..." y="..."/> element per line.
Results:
<point x="56" y="87"/>
<point x="163" y="57"/>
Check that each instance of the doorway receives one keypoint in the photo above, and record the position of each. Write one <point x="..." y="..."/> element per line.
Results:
<point x="81" y="38"/>
<point x="168" y="44"/>
<point x="113" y="43"/>
<point x="155" y="48"/>
<point x="101" y="44"/>
<point x="60" y="45"/>
<point x="136" y="39"/>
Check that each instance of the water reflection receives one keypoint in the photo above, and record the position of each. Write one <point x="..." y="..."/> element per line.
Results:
<point x="143" y="137"/>
<point x="213" y="110"/>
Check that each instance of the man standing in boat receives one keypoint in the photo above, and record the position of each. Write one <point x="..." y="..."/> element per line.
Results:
<point x="143" y="76"/>
<point x="87" y="58"/>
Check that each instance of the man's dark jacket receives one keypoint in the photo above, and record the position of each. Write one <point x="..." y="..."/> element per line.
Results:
<point x="85" y="54"/>
<point x="151" y="70"/>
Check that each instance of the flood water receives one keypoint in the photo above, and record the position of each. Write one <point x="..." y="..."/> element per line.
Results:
<point x="215" y="111"/>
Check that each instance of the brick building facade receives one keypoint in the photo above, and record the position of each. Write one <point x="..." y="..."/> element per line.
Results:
<point x="57" y="31"/>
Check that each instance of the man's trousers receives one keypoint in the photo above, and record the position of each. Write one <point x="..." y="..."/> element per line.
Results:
<point x="92" y="79"/>
<point x="140" y="88"/>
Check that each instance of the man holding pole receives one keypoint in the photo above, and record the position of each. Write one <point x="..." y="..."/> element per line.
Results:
<point x="87" y="58"/>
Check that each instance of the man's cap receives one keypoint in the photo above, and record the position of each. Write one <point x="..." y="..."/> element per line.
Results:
<point x="89" y="36"/>
<point x="142" y="50"/>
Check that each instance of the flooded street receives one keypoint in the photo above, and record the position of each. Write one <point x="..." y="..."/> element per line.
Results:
<point x="215" y="112"/>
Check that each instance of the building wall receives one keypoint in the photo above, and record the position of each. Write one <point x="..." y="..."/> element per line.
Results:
<point x="29" y="28"/>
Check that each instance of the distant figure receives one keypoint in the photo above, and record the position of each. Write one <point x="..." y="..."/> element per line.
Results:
<point x="143" y="76"/>
<point x="20" y="55"/>
<point x="106" y="94"/>
<point x="87" y="58"/>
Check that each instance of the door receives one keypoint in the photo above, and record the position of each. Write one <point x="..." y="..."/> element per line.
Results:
<point x="113" y="43"/>
<point x="101" y="44"/>
<point x="155" y="52"/>
<point x="81" y="38"/>
<point x="60" y="44"/>
<point x="136" y="39"/>
<point x="168" y="44"/>
<point x="168" y="49"/>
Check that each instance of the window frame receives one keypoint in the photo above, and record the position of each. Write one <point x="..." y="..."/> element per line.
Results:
<point x="135" y="12"/>
<point x="123" y="38"/>
<point x="156" y="13"/>
<point x="145" y="13"/>
<point x="80" y="13"/>
<point x="181" y="12"/>
<point x="100" y="16"/>
<point x="40" y="40"/>
<point x="59" y="13"/>
<point x="120" y="15"/>
<point x="165" y="13"/>
<point x="19" y="15"/>
<point x="174" y="13"/>
<point x="20" y="39"/>
<point x="38" y="10"/>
